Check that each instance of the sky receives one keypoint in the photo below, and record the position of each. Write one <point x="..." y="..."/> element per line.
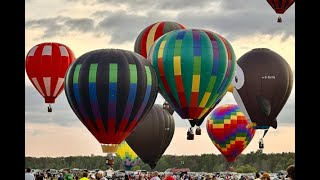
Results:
<point x="86" y="25"/>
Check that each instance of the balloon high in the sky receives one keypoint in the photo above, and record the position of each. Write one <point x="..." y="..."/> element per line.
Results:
<point x="194" y="69"/>
<point x="228" y="129"/>
<point x="262" y="85"/>
<point x="152" y="135"/>
<point x="151" y="33"/>
<point x="46" y="66"/>
<point x="280" y="6"/>
<point x="127" y="156"/>
<point x="110" y="90"/>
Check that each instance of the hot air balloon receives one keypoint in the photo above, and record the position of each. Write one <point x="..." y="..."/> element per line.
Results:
<point x="46" y="66"/>
<point x="280" y="6"/>
<point x="262" y="85"/>
<point x="152" y="135"/>
<point x="199" y="122"/>
<point x="194" y="68"/>
<point x="228" y="129"/>
<point x="128" y="157"/>
<point x="151" y="33"/>
<point x="110" y="91"/>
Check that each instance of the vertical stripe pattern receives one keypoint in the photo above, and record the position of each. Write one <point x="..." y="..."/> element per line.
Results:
<point x="194" y="68"/>
<point x="150" y="34"/>
<point x="112" y="90"/>
<point x="46" y="66"/>
<point x="280" y="6"/>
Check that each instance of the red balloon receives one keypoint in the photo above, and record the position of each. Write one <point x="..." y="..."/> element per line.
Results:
<point x="46" y="66"/>
<point x="280" y="6"/>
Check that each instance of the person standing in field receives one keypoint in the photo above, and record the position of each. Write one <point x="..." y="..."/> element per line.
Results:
<point x="28" y="175"/>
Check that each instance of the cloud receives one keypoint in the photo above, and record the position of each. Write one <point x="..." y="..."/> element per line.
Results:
<point x="233" y="23"/>
<point x="159" y="5"/>
<point x="123" y="27"/>
<point x="60" y="25"/>
<point x="36" y="109"/>
<point x="232" y="19"/>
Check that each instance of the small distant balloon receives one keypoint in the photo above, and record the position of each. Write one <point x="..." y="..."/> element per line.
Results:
<point x="150" y="34"/>
<point x="280" y="7"/>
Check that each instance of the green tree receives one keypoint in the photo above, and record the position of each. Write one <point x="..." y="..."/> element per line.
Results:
<point x="246" y="169"/>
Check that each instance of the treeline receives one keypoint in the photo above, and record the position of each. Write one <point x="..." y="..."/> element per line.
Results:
<point x="251" y="162"/>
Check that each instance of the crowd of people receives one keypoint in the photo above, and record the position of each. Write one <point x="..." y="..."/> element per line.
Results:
<point x="154" y="175"/>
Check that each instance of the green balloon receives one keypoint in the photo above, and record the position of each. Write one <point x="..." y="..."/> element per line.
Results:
<point x="194" y="68"/>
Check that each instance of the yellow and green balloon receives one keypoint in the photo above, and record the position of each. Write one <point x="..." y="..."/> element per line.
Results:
<point x="128" y="157"/>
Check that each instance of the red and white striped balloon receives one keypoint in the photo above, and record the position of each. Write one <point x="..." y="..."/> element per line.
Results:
<point x="46" y="66"/>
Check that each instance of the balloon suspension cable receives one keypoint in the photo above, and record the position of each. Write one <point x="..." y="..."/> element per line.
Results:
<point x="261" y="144"/>
<point x="190" y="129"/>
<point x="279" y="19"/>
<point x="49" y="108"/>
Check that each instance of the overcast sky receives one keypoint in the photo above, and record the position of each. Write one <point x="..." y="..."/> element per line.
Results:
<point x="85" y="25"/>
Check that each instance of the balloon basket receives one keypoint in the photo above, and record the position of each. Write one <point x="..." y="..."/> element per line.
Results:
<point x="109" y="148"/>
<point x="49" y="108"/>
<point x="190" y="136"/>
<point x="198" y="131"/>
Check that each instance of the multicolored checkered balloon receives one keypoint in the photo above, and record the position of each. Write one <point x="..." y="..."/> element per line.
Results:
<point x="194" y="68"/>
<point x="228" y="129"/>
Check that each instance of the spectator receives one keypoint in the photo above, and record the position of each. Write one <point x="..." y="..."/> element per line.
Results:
<point x="60" y="177"/>
<point x="84" y="176"/>
<point x="68" y="176"/>
<point x="257" y="176"/>
<point x="92" y="177"/>
<point x="291" y="172"/>
<point x="126" y="177"/>
<point x="155" y="176"/>
<point x="28" y="175"/>
<point x="265" y="176"/>
<point x="101" y="175"/>
<point x="169" y="176"/>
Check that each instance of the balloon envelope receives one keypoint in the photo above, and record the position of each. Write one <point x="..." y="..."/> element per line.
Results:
<point x="151" y="33"/>
<point x="280" y="7"/>
<point x="46" y="66"/>
<point x="262" y="85"/>
<point x="110" y="90"/>
<point x="228" y="129"/>
<point x="128" y="157"/>
<point x="152" y="135"/>
<point x="194" y="68"/>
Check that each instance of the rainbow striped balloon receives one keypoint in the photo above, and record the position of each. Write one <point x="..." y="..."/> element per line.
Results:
<point x="151" y="33"/>
<point x="228" y="129"/>
<point x="194" y="69"/>
<point x="128" y="157"/>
